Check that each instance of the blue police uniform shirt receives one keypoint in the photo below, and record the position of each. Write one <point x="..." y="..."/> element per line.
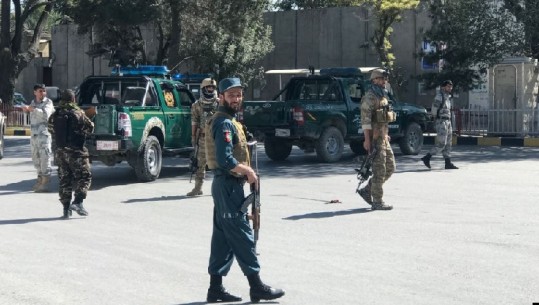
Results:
<point x="225" y="138"/>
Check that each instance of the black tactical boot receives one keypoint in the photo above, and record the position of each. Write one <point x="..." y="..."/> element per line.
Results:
<point x="78" y="207"/>
<point x="426" y="160"/>
<point x="381" y="206"/>
<point x="449" y="165"/>
<point x="217" y="293"/>
<point x="260" y="291"/>
<point x="67" y="211"/>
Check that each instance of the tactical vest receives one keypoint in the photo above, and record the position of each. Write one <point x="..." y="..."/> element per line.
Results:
<point x="383" y="113"/>
<point x="66" y="123"/>
<point x="207" y="110"/>
<point x="239" y="140"/>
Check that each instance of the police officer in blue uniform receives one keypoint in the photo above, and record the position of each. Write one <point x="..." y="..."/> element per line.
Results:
<point x="228" y="157"/>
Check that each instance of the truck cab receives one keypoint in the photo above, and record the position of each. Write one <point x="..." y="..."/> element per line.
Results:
<point x="140" y="115"/>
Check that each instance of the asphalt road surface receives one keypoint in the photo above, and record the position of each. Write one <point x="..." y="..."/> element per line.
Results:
<point x="467" y="236"/>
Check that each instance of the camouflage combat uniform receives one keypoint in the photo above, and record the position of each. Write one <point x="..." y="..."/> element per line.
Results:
<point x="441" y="110"/>
<point x="41" y="141"/>
<point x="71" y="156"/>
<point x="201" y="111"/>
<point x="374" y="112"/>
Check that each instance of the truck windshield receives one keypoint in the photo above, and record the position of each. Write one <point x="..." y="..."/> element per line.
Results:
<point x="116" y="92"/>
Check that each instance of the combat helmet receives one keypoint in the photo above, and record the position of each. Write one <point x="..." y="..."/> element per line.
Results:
<point x="208" y="89"/>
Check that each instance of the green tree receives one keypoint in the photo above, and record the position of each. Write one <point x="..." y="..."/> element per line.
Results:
<point x="469" y="36"/>
<point x="115" y="26"/>
<point x="228" y="38"/>
<point x="526" y="12"/>
<point x="16" y="52"/>
<point x="387" y="13"/>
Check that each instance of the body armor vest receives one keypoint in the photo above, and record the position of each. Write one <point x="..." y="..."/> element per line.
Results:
<point x="66" y="124"/>
<point x="239" y="141"/>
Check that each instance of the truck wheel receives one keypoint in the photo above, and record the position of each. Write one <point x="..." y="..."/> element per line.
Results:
<point x="149" y="160"/>
<point x="357" y="147"/>
<point x="277" y="149"/>
<point x="330" y="145"/>
<point x="412" y="142"/>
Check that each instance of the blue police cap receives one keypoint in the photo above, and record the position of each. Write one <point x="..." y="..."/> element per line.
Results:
<point x="229" y="83"/>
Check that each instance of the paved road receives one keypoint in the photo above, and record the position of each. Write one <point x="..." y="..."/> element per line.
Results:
<point x="455" y="237"/>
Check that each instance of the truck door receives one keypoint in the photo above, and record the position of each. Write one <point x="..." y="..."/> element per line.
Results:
<point x="174" y="120"/>
<point x="353" y="91"/>
<point x="186" y="101"/>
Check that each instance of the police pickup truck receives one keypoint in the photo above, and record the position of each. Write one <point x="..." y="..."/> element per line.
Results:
<point x="322" y="112"/>
<point x="140" y="115"/>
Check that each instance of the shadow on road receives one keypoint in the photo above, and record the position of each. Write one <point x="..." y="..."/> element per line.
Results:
<point x="328" y="214"/>
<point x="29" y="220"/>
<point x="17" y="187"/>
<point x="162" y="198"/>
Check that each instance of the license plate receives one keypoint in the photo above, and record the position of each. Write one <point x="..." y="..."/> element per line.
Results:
<point x="282" y="132"/>
<point x="107" y="145"/>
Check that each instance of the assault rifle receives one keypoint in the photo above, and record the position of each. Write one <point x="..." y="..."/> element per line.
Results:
<point x="365" y="171"/>
<point x="253" y="199"/>
<point x="193" y="161"/>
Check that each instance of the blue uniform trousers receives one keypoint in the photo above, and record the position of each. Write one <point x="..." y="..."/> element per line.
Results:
<point x="232" y="235"/>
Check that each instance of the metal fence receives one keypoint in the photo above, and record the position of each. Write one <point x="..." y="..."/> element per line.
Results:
<point x="497" y="122"/>
<point x="15" y="117"/>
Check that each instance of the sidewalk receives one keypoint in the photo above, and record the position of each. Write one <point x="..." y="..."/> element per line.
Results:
<point x="487" y="141"/>
<point x="17" y="131"/>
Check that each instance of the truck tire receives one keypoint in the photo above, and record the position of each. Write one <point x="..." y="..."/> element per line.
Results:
<point x="149" y="160"/>
<point x="277" y="149"/>
<point x="330" y="145"/>
<point x="412" y="142"/>
<point x="357" y="147"/>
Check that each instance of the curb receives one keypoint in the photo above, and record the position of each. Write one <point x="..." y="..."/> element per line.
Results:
<point x="488" y="141"/>
<point x="17" y="131"/>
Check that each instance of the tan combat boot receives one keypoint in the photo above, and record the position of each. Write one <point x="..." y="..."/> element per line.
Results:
<point x="36" y="185"/>
<point x="43" y="186"/>
<point x="197" y="190"/>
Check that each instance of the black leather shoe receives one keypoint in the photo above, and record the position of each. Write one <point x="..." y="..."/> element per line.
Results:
<point x="219" y="294"/>
<point x="265" y="292"/>
<point x="426" y="160"/>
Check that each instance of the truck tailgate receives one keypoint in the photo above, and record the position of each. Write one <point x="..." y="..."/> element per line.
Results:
<point x="265" y="113"/>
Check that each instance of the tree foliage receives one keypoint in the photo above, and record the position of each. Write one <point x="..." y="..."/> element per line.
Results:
<point x="16" y="51"/>
<point x="526" y="12"/>
<point x="228" y="37"/>
<point x="218" y="36"/>
<point x="469" y="36"/>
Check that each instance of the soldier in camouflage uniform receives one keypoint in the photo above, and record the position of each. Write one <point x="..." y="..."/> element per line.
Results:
<point x="40" y="110"/>
<point x="232" y="236"/>
<point x="201" y="110"/>
<point x="70" y="127"/>
<point x="376" y="114"/>
<point x="441" y="111"/>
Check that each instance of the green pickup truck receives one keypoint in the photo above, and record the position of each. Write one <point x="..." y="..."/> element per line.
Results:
<point x="140" y="116"/>
<point x="322" y="112"/>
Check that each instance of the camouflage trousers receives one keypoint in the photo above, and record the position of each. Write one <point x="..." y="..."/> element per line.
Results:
<point x="74" y="173"/>
<point x="383" y="167"/>
<point x="444" y="138"/>
<point x="201" y="157"/>
<point x="42" y="154"/>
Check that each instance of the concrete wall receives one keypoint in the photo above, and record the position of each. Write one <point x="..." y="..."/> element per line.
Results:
<point x="322" y="38"/>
